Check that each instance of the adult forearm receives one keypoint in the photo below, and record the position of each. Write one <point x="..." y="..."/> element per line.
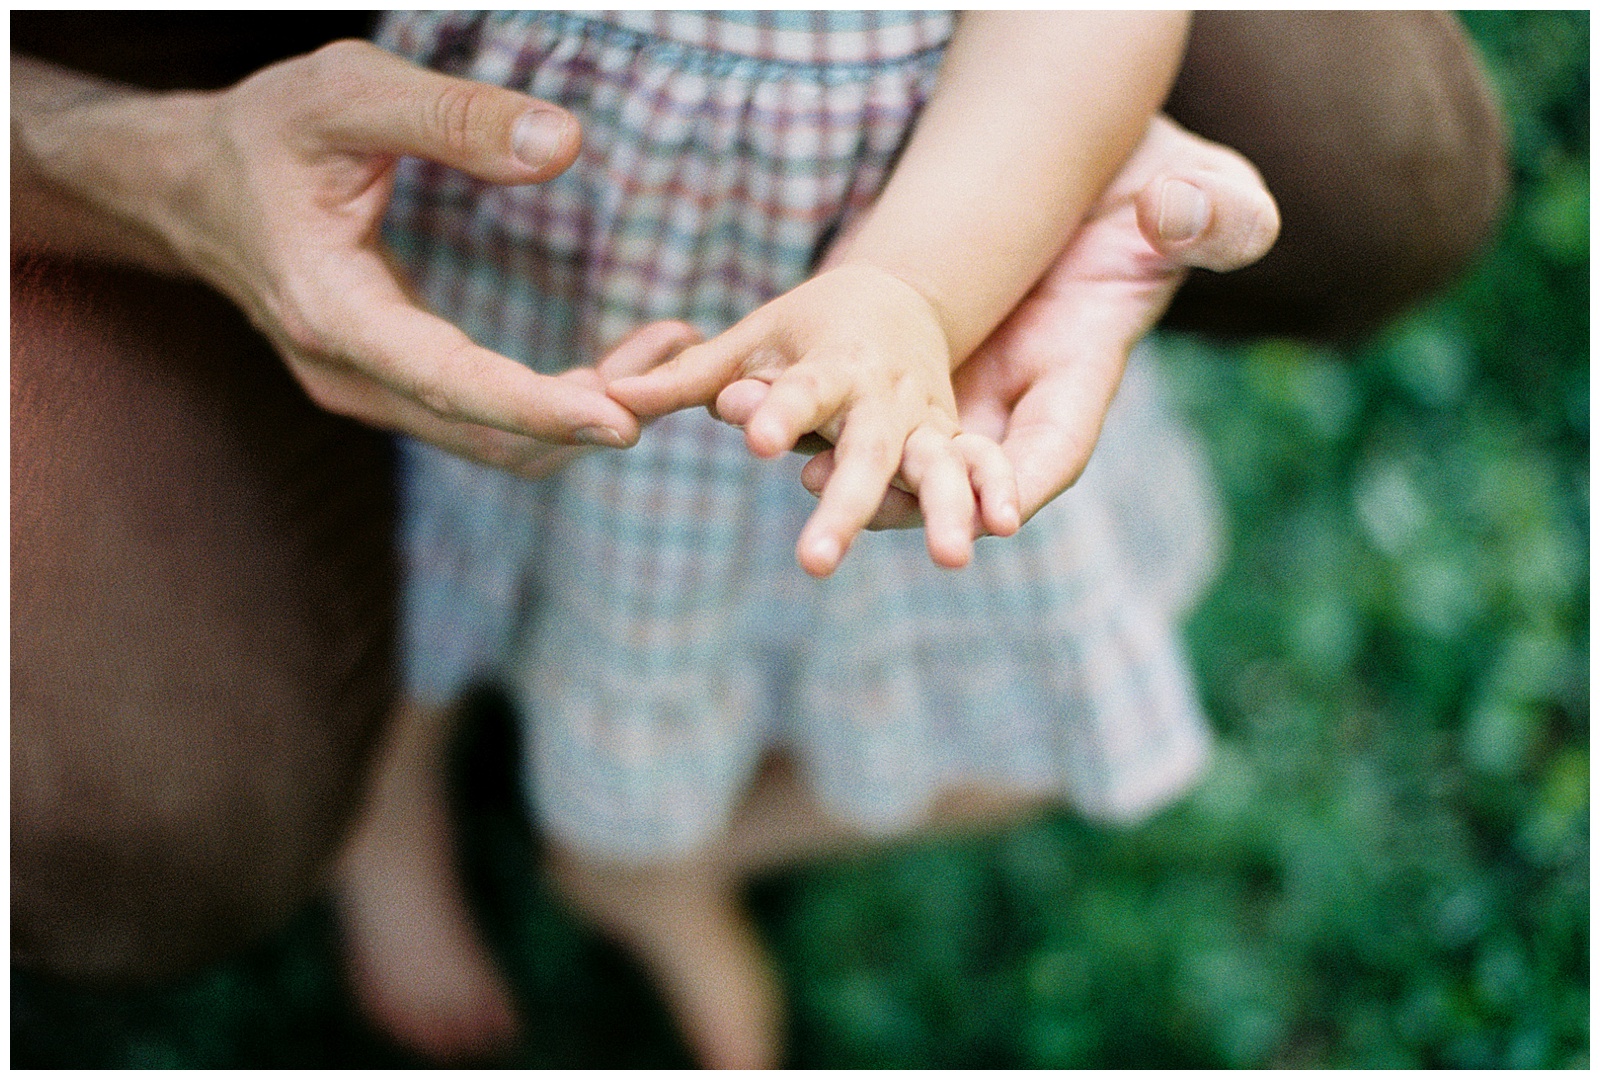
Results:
<point x="1033" y="114"/>
<point x="89" y="161"/>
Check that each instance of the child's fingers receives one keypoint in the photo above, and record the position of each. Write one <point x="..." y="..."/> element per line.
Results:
<point x="738" y="401"/>
<point x="898" y="511"/>
<point x="800" y="401"/>
<point x="693" y="377"/>
<point x="943" y="485"/>
<point x="867" y="456"/>
<point x="994" y="481"/>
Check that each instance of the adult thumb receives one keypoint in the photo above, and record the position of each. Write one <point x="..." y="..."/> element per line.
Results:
<point x="1213" y="219"/>
<point x="375" y="102"/>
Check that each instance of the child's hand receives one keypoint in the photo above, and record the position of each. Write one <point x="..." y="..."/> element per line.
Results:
<point x="858" y="356"/>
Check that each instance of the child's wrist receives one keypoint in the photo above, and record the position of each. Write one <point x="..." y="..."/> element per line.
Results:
<point x="927" y="298"/>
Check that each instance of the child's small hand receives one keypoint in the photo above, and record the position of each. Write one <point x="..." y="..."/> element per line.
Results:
<point x="858" y="356"/>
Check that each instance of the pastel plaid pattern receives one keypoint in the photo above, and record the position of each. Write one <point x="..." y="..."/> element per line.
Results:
<point x="645" y="606"/>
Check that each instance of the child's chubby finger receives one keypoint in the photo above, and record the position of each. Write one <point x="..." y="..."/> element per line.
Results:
<point x="940" y="476"/>
<point x="993" y="480"/>
<point x="693" y="377"/>
<point x="738" y="401"/>
<point x="899" y="509"/>
<point x="866" y="458"/>
<point x="801" y="400"/>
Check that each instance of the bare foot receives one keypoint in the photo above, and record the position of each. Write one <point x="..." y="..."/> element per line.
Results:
<point x="685" y="923"/>
<point x="411" y="953"/>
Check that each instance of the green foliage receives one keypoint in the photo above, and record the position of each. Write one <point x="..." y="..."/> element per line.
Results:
<point x="1387" y="864"/>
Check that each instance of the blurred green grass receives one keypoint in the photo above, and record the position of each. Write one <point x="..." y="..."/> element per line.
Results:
<point x="1387" y="865"/>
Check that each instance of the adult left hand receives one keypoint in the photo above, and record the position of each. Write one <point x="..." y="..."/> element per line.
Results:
<point x="1042" y="383"/>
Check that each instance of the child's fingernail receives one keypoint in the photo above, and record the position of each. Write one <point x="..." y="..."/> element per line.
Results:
<point x="1184" y="211"/>
<point x="600" y="436"/>
<point x="824" y="550"/>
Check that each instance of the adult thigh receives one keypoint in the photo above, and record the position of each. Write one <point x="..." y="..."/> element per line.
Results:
<point x="201" y="619"/>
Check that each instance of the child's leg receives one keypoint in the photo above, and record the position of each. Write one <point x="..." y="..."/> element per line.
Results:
<point x="686" y="923"/>
<point x="781" y="823"/>
<point x="413" y="956"/>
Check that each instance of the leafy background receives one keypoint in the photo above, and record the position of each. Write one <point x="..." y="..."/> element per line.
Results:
<point x="1387" y="865"/>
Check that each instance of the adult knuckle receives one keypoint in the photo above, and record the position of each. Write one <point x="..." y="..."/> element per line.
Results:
<point x="459" y="115"/>
<point x="434" y="393"/>
<point x="303" y="325"/>
<point x="344" y="51"/>
<point x="331" y="66"/>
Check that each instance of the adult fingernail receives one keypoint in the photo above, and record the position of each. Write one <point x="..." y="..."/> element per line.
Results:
<point x="1185" y="210"/>
<point x="600" y="436"/>
<point x="538" y="136"/>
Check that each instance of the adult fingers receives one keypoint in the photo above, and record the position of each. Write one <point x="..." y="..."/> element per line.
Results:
<point x="353" y="394"/>
<point x="646" y="348"/>
<point x="363" y="99"/>
<point x="692" y="377"/>
<point x="427" y="360"/>
<point x="1055" y="427"/>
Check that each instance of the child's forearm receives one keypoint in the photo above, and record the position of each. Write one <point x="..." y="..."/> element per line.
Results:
<point x="1033" y="114"/>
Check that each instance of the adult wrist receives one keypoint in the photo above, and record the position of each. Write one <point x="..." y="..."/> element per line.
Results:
<point x="96" y="166"/>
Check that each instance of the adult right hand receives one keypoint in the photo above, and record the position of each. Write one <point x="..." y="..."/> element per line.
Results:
<point x="274" y="190"/>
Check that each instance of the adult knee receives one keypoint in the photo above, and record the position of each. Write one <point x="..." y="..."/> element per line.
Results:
<point x="1382" y="141"/>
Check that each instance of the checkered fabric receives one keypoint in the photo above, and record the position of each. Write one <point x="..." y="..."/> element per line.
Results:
<point x="645" y="605"/>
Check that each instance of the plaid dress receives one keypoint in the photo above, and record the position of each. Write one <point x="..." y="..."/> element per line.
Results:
<point x="644" y="606"/>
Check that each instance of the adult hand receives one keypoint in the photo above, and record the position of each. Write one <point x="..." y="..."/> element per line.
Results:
<point x="273" y="191"/>
<point x="1043" y="382"/>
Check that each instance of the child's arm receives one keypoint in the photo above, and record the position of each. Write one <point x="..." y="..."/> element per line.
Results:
<point x="1032" y="115"/>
